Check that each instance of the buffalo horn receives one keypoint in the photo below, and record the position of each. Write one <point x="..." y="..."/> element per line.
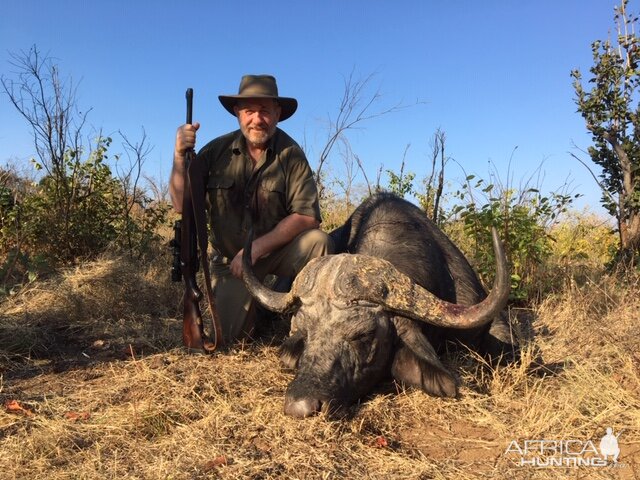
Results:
<point x="269" y="299"/>
<point x="399" y="294"/>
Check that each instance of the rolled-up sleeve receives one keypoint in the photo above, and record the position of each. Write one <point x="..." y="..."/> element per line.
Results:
<point x="302" y="192"/>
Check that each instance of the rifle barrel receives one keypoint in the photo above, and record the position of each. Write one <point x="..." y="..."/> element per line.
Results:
<point x="189" y="96"/>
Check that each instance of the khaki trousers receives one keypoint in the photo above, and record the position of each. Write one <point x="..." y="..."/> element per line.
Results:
<point x="234" y="303"/>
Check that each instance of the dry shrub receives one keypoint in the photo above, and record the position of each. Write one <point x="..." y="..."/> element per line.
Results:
<point x="583" y="245"/>
<point x="158" y="413"/>
<point x="113" y="301"/>
<point x="584" y="237"/>
<point x="335" y="212"/>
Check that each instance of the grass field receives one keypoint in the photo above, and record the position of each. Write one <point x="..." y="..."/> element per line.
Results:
<point x="94" y="385"/>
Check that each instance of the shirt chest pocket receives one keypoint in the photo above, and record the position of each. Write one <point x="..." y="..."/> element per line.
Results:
<point x="274" y="190"/>
<point x="219" y="183"/>
<point x="274" y="186"/>
<point x="222" y="195"/>
<point x="273" y="196"/>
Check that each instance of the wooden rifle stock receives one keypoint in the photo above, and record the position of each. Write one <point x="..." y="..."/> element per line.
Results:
<point x="193" y="235"/>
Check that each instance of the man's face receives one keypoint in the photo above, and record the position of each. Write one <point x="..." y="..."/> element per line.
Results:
<point x="258" y="118"/>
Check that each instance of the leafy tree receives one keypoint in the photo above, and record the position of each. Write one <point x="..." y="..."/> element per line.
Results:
<point x="612" y="115"/>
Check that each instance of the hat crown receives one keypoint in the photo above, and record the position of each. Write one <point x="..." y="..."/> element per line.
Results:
<point x="258" y="85"/>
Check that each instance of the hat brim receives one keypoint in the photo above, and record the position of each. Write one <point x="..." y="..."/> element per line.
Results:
<point x="287" y="104"/>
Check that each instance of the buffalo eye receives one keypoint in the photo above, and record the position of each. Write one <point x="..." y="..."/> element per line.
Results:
<point x="363" y="337"/>
<point x="362" y="345"/>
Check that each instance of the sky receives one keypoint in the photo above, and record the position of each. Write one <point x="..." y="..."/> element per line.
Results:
<point x="494" y="75"/>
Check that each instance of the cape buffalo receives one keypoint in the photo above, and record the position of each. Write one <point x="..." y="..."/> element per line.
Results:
<point x="397" y="290"/>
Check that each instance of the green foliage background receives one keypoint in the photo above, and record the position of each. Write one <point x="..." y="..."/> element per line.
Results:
<point x="64" y="219"/>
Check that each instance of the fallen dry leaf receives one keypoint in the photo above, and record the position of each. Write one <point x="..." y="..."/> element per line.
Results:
<point x="381" y="442"/>
<point x="75" y="416"/>
<point x="13" y="406"/>
<point x="261" y="445"/>
<point x="216" y="462"/>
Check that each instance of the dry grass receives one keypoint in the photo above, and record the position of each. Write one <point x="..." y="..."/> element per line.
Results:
<point x="93" y="360"/>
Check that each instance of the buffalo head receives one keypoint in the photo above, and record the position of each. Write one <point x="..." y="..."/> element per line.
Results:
<point x="357" y="318"/>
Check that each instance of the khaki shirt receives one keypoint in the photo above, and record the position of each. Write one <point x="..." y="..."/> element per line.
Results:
<point x="286" y="186"/>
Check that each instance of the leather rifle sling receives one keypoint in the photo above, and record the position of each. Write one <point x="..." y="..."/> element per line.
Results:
<point x="197" y="178"/>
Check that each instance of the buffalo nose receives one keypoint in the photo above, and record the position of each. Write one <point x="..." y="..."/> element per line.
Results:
<point x="301" y="407"/>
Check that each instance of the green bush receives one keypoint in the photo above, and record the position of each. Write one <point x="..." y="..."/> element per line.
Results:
<point x="522" y="218"/>
<point x="72" y="214"/>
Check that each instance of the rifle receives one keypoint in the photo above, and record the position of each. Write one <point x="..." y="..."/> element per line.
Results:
<point x="190" y="233"/>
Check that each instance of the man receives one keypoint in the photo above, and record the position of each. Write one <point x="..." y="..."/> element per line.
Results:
<point x="257" y="167"/>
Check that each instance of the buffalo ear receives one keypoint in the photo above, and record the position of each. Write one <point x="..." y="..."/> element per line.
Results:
<point x="291" y="351"/>
<point x="409" y="369"/>
<point x="416" y="363"/>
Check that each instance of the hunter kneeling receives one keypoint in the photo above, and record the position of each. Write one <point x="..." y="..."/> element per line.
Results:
<point x="257" y="171"/>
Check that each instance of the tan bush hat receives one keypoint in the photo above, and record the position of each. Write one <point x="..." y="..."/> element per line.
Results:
<point x="259" y="86"/>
